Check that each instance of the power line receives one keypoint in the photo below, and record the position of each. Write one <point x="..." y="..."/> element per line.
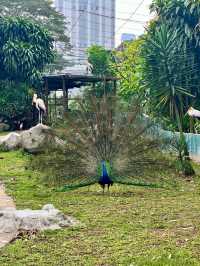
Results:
<point x="103" y="15"/>
<point x="105" y="34"/>
<point x="106" y="16"/>
<point x="90" y="28"/>
<point x="130" y="17"/>
<point x="98" y="24"/>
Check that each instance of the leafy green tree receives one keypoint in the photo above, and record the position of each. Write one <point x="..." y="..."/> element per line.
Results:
<point x="182" y="16"/>
<point x="25" y="49"/>
<point x="101" y="62"/>
<point x="128" y="69"/>
<point x="42" y="12"/>
<point x="172" y="65"/>
<point x="100" y="59"/>
<point x="15" y="103"/>
<point x="168" y="75"/>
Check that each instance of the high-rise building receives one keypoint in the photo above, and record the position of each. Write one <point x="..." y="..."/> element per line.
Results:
<point x="89" y="22"/>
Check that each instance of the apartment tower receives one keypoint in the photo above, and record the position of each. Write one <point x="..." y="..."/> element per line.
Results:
<point x="90" y="22"/>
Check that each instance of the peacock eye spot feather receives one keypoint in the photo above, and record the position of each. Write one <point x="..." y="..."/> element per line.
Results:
<point x="120" y="152"/>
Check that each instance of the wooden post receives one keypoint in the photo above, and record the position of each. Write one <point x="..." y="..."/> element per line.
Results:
<point x="46" y="95"/>
<point x="55" y="106"/>
<point x="104" y="85"/>
<point x="49" y="110"/>
<point x="65" y="95"/>
<point x="115" y="87"/>
<point x="93" y="86"/>
<point x="67" y="99"/>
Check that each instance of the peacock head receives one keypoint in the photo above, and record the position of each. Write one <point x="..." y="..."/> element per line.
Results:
<point x="103" y="163"/>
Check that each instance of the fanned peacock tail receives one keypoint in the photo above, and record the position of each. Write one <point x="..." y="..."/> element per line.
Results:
<point x="105" y="133"/>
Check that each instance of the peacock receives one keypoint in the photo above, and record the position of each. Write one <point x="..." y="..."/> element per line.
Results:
<point x="106" y="142"/>
<point x="104" y="178"/>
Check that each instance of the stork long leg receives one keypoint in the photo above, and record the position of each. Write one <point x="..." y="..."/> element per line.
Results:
<point x="41" y="116"/>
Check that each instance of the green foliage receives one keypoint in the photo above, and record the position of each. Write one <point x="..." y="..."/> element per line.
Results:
<point x="171" y="69"/>
<point x="42" y="12"/>
<point x="100" y="59"/>
<point x="168" y="73"/>
<point x="101" y="62"/>
<point x="181" y="22"/>
<point x="15" y="102"/>
<point x="182" y="15"/>
<point x="183" y="164"/>
<point x="25" y="49"/>
<point x="128" y="69"/>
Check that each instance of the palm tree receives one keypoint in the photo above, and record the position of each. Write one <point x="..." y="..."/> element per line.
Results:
<point x="168" y="74"/>
<point x="182" y="16"/>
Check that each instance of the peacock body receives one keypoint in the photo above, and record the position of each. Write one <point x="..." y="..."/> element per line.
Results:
<point x="105" y="179"/>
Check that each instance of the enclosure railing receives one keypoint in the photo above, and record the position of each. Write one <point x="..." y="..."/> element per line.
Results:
<point x="192" y="140"/>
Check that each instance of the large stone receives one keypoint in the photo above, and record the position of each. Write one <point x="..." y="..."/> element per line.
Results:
<point x="13" y="221"/>
<point x="16" y="222"/>
<point x="33" y="139"/>
<point x="10" y="142"/>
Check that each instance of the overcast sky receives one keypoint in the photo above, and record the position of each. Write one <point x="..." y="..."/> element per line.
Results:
<point x="125" y="9"/>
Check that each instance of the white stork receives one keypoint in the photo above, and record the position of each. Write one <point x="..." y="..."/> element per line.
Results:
<point x="40" y="106"/>
<point x="193" y="112"/>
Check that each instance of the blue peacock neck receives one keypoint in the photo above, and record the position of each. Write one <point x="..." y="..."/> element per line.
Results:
<point x="104" y="169"/>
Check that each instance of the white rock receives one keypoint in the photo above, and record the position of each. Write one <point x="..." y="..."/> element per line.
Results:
<point x="48" y="207"/>
<point x="33" y="139"/>
<point x="13" y="221"/>
<point x="10" y="142"/>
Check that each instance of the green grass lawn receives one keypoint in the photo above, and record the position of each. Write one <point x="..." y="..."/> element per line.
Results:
<point x="4" y="133"/>
<point x="128" y="226"/>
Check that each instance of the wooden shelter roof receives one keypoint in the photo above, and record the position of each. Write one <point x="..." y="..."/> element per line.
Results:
<point x="55" y="81"/>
